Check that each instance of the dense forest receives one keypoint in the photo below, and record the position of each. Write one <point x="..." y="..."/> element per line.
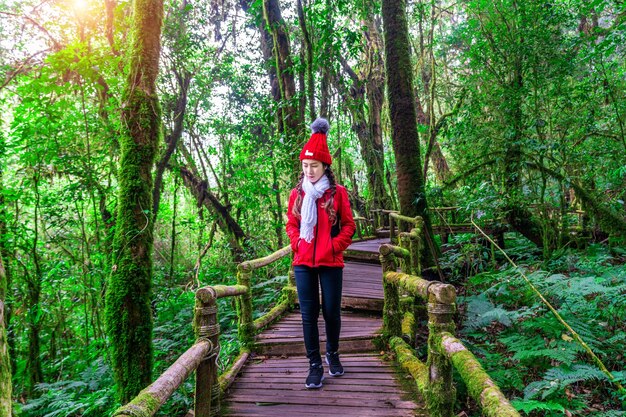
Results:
<point x="147" y="147"/>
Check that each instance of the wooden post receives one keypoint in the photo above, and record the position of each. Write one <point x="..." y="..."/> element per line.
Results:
<point x="392" y="229"/>
<point x="405" y="264"/>
<point x="376" y="219"/>
<point x="244" y="304"/>
<point x="206" y="327"/>
<point x="440" y="395"/>
<point x="415" y="247"/>
<point x="292" y="276"/>
<point x="392" y="325"/>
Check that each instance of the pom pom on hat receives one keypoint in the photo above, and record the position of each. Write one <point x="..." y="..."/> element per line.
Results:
<point x="320" y="125"/>
<point x="317" y="148"/>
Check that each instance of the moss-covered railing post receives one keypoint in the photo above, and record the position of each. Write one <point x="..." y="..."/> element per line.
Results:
<point x="415" y="246"/>
<point x="392" y="229"/>
<point x="244" y="306"/>
<point x="405" y="243"/>
<point x="201" y="357"/>
<point x="376" y="218"/>
<point x="441" y="394"/>
<point x="292" y="276"/>
<point x="206" y="327"/>
<point x="392" y="325"/>
<point x="359" y="231"/>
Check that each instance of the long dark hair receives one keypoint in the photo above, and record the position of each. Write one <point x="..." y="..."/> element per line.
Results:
<point x="329" y="206"/>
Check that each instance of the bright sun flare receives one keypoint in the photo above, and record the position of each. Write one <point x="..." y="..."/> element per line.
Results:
<point x="80" y="6"/>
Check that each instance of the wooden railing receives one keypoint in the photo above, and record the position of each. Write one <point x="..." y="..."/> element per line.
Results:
<point x="406" y="294"/>
<point x="203" y="355"/>
<point x="364" y="227"/>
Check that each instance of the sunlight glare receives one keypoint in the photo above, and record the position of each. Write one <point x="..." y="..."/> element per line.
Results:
<point x="80" y="6"/>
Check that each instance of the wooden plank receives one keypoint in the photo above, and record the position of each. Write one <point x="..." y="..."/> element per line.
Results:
<point x="371" y="245"/>
<point x="274" y="387"/>
<point x="291" y="349"/>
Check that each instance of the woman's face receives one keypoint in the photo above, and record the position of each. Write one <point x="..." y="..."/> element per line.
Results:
<point x="313" y="169"/>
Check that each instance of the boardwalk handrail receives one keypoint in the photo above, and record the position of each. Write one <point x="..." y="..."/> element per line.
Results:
<point x="202" y="356"/>
<point x="364" y="227"/>
<point x="445" y="352"/>
<point x="247" y="327"/>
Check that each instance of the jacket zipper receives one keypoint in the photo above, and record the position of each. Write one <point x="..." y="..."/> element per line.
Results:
<point x="316" y="227"/>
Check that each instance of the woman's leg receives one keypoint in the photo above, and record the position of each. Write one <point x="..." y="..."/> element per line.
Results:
<point x="308" y="297"/>
<point x="331" y="280"/>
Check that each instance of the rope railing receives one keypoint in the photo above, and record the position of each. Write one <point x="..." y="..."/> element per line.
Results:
<point x="203" y="356"/>
<point x="405" y="296"/>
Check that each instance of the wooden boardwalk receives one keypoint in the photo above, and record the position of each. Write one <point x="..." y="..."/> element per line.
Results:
<point x="272" y="387"/>
<point x="272" y="384"/>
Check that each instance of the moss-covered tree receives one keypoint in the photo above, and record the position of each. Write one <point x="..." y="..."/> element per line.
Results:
<point x="5" y="363"/>
<point x="290" y="121"/>
<point x="128" y="312"/>
<point x="411" y="192"/>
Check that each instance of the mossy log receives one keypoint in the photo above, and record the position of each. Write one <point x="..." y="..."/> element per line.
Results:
<point x="387" y="249"/>
<point x="417" y="220"/>
<point x="213" y="292"/>
<point x="408" y="361"/>
<point x="276" y="312"/>
<point x="248" y="266"/>
<point x="408" y="326"/>
<point x="150" y="399"/>
<point x="480" y="387"/>
<point x="227" y="378"/>
<point x="443" y="293"/>
<point x="5" y="365"/>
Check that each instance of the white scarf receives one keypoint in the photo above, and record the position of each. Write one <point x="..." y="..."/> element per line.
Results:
<point x="308" y="212"/>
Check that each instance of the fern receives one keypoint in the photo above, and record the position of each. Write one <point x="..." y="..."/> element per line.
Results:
<point x="608" y="413"/>
<point x="481" y="312"/>
<point x="557" y="379"/>
<point x="532" y="405"/>
<point x="560" y="355"/>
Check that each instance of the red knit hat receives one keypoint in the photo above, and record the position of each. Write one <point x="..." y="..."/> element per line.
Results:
<point x="317" y="148"/>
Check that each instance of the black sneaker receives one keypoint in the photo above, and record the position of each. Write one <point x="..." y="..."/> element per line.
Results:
<point x="316" y="376"/>
<point x="335" y="368"/>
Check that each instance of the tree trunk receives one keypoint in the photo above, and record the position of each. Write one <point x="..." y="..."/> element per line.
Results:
<point x="5" y="361"/>
<point x="375" y="90"/>
<point x="199" y="189"/>
<point x="308" y="50"/>
<point x="171" y="140"/>
<point x="291" y="120"/>
<point x="35" y="372"/>
<point x="128" y="297"/>
<point x="371" y="152"/>
<point x="411" y="192"/>
<point x="518" y="216"/>
<point x="5" y="364"/>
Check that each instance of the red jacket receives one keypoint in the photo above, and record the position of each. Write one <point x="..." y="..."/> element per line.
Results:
<point x="323" y="250"/>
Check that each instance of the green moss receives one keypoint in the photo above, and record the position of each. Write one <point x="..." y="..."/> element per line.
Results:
<point x="5" y="365"/>
<point x="441" y="394"/>
<point x="244" y="312"/>
<point x="481" y="387"/>
<point x="143" y="405"/>
<point x="128" y="313"/>
<point x="410" y="363"/>
<point x="391" y="313"/>
<point x="408" y="325"/>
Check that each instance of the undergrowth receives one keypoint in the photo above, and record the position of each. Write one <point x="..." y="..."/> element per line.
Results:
<point x="88" y="389"/>
<point x="520" y="343"/>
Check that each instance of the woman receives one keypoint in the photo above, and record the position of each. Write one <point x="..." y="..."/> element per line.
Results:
<point x="320" y="228"/>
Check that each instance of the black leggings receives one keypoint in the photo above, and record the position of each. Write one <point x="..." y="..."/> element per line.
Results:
<point x="308" y="281"/>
